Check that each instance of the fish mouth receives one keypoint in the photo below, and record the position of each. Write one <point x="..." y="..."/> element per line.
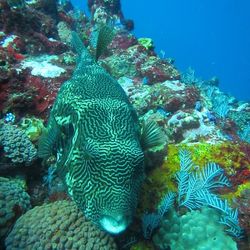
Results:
<point x="114" y="224"/>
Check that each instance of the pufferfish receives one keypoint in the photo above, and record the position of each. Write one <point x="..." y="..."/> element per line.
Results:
<point x="94" y="133"/>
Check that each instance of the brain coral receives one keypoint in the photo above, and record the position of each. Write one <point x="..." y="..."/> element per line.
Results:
<point x="16" y="144"/>
<point x="13" y="202"/>
<point x="195" y="230"/>
<point x="59" y="225"/>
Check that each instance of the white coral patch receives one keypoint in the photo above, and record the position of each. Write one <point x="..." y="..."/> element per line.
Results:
<point x="8" y="40"/>
<point x="41" y="66"/>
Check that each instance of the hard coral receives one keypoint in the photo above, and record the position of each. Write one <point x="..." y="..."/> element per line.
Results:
<point x="59" y="225"/>
<point x="50" y="46"/>
<point x="25" y="21"/>
<point x="105" y="10"/>
<point x="122" y="41"/>
<point x="16" y="144"/>
<point x="194" y="230"/>
<point x="32" y="127"/>
<point x="146" y="43"/>
<point x="126" y="62"/>
<point x="46" y="90"/>
<point x="244" y="210"/>
<point x="64" y="32"/>
<point x="112" y="6"/>
<point x="182" y="121"/>
<point x="157" y="70"/>
<point x="192" y="95"/>
<point x="14" y="201"/>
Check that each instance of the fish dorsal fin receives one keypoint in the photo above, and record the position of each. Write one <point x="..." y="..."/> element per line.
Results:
<point x="151" y="135"/>
<point x="84" y="57"/>
<point x="76" y="43"/>
<point x="105" y="36"/>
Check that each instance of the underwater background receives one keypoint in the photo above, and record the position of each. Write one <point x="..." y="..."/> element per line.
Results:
<point x="115" y="137"/>
<point x="211" y="37"/>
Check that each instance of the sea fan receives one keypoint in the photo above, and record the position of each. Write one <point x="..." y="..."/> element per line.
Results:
<point x="195" y="191"/>
<point x="149" y="223"/>
<point x="191" y="200"/>
<point x="152" y="221"/>
<point x="212" y="177"/>
<point x="166" y="203"/>
<point x="183" y="175"/>
<point x="229" y="216"/>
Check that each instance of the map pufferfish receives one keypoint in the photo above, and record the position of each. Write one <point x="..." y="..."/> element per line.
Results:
<point x="94" y="133"/>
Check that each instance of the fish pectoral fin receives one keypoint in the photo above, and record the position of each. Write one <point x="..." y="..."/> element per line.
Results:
<point x="46" y="144"/>
<point x="48" y="141"/>
<point x="151" y="135"/>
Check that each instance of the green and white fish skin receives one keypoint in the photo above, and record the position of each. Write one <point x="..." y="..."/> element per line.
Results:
<point x="95" y="135"/>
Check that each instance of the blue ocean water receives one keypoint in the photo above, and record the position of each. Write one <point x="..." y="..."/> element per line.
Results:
<point x="212" y="37"/>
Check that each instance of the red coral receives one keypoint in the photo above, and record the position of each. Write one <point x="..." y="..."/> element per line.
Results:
<point x="192" y="95"/>
<point x="173" y="104"/>
<point x="66" y="18"/>
<point x="26" y="21"/>
<point x="242" y="176"/>
<point x="29" y="94"/>
<point x="14" y="95"/>
<point x="229" y="127"/>
<point x="123" y="40"/>
<point x="4" y="89"/>
<point x="43" y="99"/>
<point x="50" y="46"/>
<point x="245" y="148"/>
<point x="13" y="54"/>
<point x="19" y="57"/>
<point x="244" y="216"/>
<point x="157" y="70"/>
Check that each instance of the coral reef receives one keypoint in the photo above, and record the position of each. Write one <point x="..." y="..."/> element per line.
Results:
<point x="14" y="201"/>
<point x="228" y="155"/>
<point x="194" y="230"/>
<point x="58" y="225"/>
<point x="104" y="11"/>
<point x="36" y="57"/>
<point x="16" y="144"/>
<point x="32" y="127"/>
